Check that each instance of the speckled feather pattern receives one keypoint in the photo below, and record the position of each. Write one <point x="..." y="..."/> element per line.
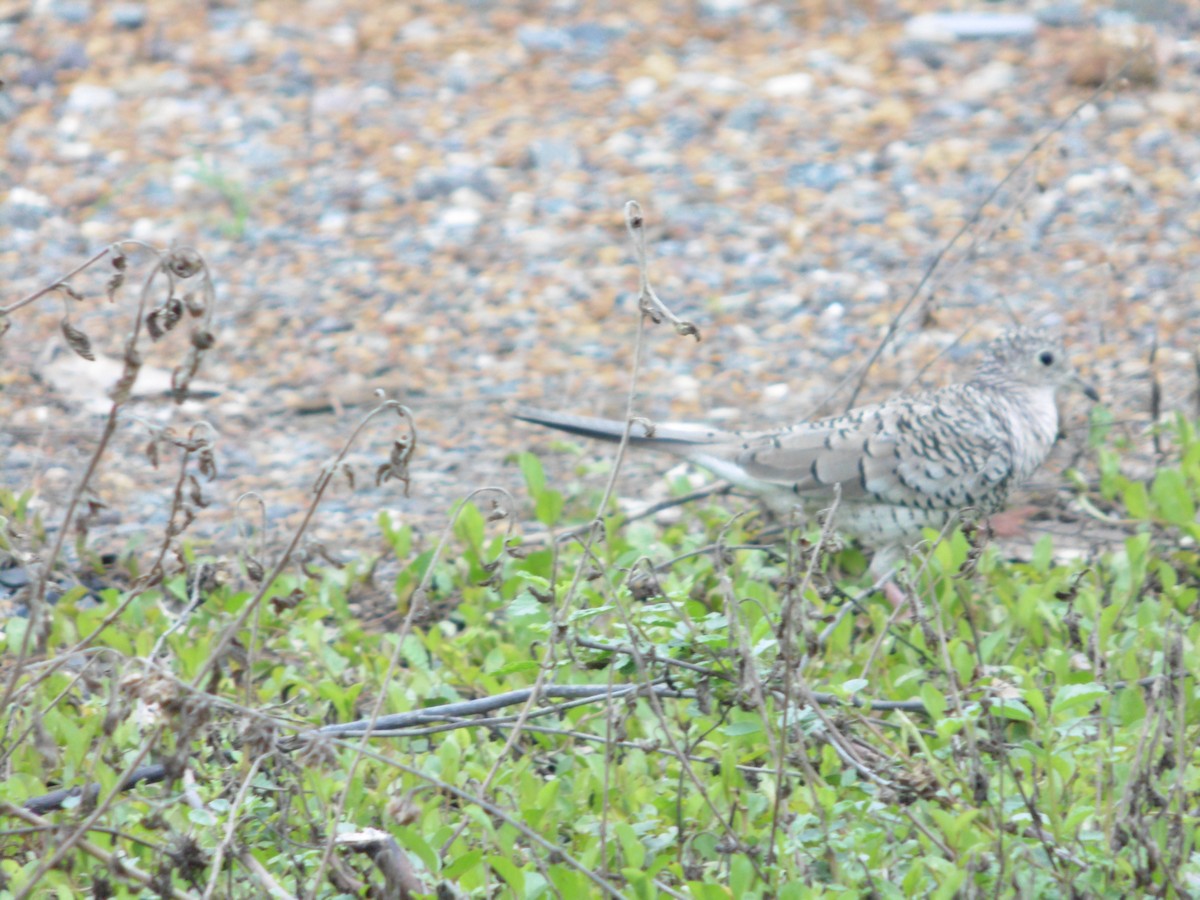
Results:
<point x="903" y="465"/>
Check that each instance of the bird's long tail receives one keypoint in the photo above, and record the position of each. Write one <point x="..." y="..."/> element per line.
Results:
<point x="673" y="438"/>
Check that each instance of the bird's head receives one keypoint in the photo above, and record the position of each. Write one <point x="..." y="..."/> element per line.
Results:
<point x="1035" y="358"/>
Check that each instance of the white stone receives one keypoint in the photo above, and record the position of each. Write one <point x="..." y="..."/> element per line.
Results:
<point x="797" y="84"/>
<point x="91" y="98"/>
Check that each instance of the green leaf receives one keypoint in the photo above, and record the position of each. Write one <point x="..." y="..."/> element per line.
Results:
<point x="525" y="605"/>
<point x="201" y="817"/>
<point x="461" y="864"/>
<point x="1077" y="696"/>
<point x="631" y="846"/>
<point x="1137" y="502"/>
<point x="1043" y="553"/>
<point x="470" y="526"/>
<point x="548" y="507"/>
<point x="510" y="873"/>
<point x="525" y="665"/>
<point x="934" y="700"/>
<point x="535" y="476"/>
<point x="1012" y="709"/>
<point x="1170" y="493"/>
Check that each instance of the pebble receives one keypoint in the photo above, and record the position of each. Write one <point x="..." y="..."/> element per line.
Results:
<point x="542" y="39"/>
<point x="71" y="12"/>
<point x="73" y="56"/>
<point x="87" y="99"/>
<point x="722" y="9"/>
<point x="550" y="154"/>
<point x="797" y="84"/>
<point x="984" y="84"/>
<point x="130" y="16"/>
<point x="970" y="26"/>
<point x="1063" y="15"/>
<point x="641" y="88"/>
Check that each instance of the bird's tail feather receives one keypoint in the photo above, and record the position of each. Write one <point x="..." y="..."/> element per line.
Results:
<point x="676" y="438"/>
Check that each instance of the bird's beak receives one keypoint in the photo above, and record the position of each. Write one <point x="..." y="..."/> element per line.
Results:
<point x="1088" y="391"/>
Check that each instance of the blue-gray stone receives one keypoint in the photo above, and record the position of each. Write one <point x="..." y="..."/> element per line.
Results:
<point x="130" y="16"/>
<point x="537" y="38"/>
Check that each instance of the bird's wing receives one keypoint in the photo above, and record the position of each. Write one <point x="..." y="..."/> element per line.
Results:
<point x="929" y="451"/>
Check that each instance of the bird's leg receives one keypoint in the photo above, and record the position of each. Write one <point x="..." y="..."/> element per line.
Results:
<point x="883" y="569"/>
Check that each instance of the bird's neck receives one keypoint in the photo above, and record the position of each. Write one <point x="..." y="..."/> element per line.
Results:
<point x="1032" y="415"/>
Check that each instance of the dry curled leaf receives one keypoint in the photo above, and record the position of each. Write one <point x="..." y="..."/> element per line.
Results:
<point x="195" y="495"/>
<point x="195" y="303"/>
<point x="397" y="464"/>
<point x="184" y="263"/>
<point x="208" y="463"/>
<point x="120" y="391"/>
<point x="254" y="570"/>
<point x="154" y="324"/>
<point x="291" y="601"/>
<point x="69" y="291"/>
<point x="181" y="378"/>
<point x="77" y="340"/>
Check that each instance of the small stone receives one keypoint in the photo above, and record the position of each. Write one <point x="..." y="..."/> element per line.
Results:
<point x="592" y="38"/>
<point x="419" y="31"/>
<point x="544" y="40"/>
<point x="970" y="26"/>
<point x="819" y="176"/>
<point x="590" y="80"/>
<point x="333" y="221"/>
<point x="950" y="155"/>
<point x="71" y="12"/>
<point x="554" y="154"/>
<point x="640" y="88"/>
<point x="985" y="83"/>
<point x="91" y="98"/>
<point x="797" y="84"/>
<point x="722" y="9"/>
<point x="1063" y="15"/>
<point x="747" y="116"/>
<point x="238" y="53"/>
<point x="130" y="16"/>
<point x="73" y="57"/>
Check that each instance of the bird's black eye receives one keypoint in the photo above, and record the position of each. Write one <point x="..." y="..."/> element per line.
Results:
<point x="1046" y="358"/>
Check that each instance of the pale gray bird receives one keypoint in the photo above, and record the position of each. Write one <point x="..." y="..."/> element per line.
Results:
<point x="909" y="463"/>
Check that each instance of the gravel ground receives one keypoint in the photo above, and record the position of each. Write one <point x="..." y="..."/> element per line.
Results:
<point x="428" y="199"/>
